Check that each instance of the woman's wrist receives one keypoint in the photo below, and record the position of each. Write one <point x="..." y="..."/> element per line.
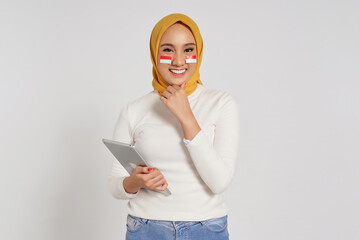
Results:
<point x="130" y="185"/>
<point x="190" y="127"/>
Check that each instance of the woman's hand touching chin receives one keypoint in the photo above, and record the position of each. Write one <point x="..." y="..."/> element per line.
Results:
<point x="177" y="102"/>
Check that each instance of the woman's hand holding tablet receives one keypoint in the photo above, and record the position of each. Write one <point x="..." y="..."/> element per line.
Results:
<point x="145" y="177"/>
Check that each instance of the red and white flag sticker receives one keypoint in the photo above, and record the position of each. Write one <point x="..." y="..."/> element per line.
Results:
<point x="165" y="59"/>
<point x="190" y="59"/>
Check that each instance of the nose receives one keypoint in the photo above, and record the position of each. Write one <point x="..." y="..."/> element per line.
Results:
<point x="179" y="59"/>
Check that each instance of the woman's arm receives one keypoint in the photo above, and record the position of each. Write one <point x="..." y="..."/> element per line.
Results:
<point x="122" y="133"/>
<point x="215" y="162"/>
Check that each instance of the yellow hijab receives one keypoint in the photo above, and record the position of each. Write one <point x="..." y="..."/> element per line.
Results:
<point x="158" y="82"/>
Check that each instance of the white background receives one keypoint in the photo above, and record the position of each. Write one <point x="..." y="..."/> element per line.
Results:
<point x="68" y="67"/>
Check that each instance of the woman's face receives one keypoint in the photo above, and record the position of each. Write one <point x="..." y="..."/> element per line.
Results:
<point x="177" y="42"/>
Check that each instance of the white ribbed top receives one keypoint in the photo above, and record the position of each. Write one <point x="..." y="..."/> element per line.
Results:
<point x="198" y="172"/>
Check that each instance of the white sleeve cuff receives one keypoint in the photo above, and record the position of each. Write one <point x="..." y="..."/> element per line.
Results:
<point x="200" y="138"/>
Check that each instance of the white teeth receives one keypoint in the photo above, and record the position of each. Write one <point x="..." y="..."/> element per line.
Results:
<point x="177" y="71"/>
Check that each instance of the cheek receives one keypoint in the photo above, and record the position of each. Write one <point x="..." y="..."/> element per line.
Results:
<point x="163" y="68"/>
<point x="163" y="63"/>
<point x="193" y="67"/>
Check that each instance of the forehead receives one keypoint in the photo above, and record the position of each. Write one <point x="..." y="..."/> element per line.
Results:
<point x="177" y="34"/>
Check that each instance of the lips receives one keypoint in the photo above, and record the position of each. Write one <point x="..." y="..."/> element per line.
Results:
<point x="178" y="72"/>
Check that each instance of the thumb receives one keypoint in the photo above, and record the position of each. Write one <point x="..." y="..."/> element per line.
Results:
<point x="141" y="169"/>
<point x="183" y="85"/>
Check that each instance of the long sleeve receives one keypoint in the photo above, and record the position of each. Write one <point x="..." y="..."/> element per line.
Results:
<point x="198" y="170"/>
<point x="216" y="162"/>
<point x="122" y="133"/>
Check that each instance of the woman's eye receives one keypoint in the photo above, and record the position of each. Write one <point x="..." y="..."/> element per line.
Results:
<point x="166" y="50"/>
<point x="186" y="50"/>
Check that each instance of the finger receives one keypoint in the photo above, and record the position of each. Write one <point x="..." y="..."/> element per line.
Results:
<point x="163" y="99"/>
<point x="138" y="169"/>
<point x="176" y="87"/>
<point x="163" y="187"/>
<point x="171" y="89"/>
<point x="141" y="169"/>
<point x="181" y="87"/>
<point x="159" y="183"/>
<point x="155" y="180"/>
<point x="166" y="94"/>
<point x="151" y="175"/>
<point x="152" y="183"/>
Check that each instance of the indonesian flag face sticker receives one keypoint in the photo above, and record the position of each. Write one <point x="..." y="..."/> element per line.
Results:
<point x="165" y="59"/>
<point x="190" y="59"/>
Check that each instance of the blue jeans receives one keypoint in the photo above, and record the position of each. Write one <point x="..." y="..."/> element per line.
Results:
<point x="146" y="229"/>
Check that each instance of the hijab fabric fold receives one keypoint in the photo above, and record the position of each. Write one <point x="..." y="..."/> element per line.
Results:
<point x="158" y="82"/>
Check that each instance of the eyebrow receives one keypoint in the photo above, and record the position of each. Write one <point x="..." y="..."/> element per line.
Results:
<point x="169" y="44"/>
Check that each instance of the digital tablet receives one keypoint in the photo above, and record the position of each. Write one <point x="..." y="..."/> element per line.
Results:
<point x="129" y="158"/>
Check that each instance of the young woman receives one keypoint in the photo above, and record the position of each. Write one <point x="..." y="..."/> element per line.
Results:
<point x="189" y="132"/>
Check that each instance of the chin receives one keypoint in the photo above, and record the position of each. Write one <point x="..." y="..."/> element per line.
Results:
<point x="176" y="82"/>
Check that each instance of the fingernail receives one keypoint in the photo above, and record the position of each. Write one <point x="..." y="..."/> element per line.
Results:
<point x="149" y="169"/>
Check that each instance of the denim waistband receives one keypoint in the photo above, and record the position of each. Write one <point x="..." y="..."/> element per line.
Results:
<point x="170" y="223"/>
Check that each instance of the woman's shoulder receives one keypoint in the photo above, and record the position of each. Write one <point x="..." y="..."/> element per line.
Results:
<point x="216" y="94"/>
<point x="143" y="102"/>
<point x="219" y="101"/>
<point x="149" y="96"/>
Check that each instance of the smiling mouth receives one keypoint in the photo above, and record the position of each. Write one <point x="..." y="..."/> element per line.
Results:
<point x="178" y="72"/>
